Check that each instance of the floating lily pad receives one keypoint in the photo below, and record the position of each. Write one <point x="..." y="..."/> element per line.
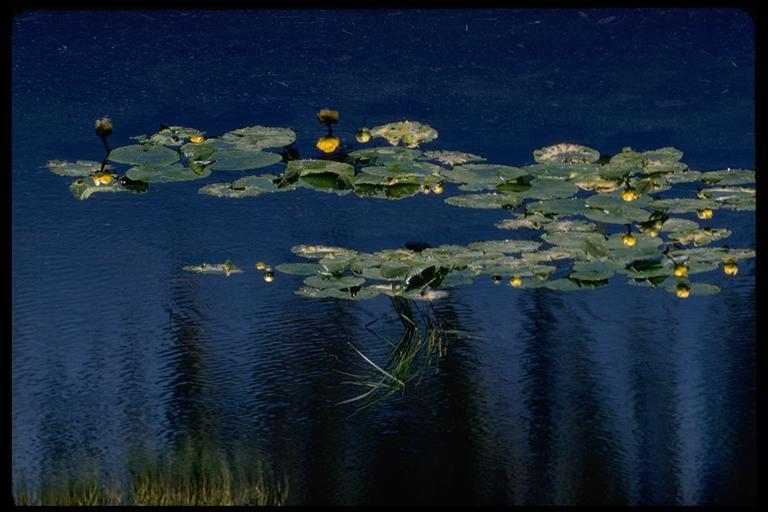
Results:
<point x="486" y="201"/>
<point x="247" y="186"/>
<point x="339" y="283"/>
<point x="83" y="188"/>
<point x="531" y="221"/>
<point x="731" y="198"/>
<point x="364" y="293"/>
<point x="78" y="168"/>
<point x="237" y="160"/>
<point x="566" y="153"/>
<point x="567" y="226"/>
<point x="693" y="288"/>
<point x="225" y="268"/>
<point x="319" y="251"/>
<point x="383" y="155"/>
<point x="682" y="205"/>
<point x="153" y="173"/>
<point x="452" y="158"/>
<point x="255" y="138"/>
<point x="144" y="154"/>
<point x="548" y="188"/>
<point x="571" y="206"/>
<point x="299" y="269"/>
<point x="700" y="237"/>
<point x="410" y="133"/>
<point x="677" y="224"/>
<point x="592" y="271"/>
<point x="505" y="246"/>
<point x="174" y="135"/>
<point x="729" y="177"/>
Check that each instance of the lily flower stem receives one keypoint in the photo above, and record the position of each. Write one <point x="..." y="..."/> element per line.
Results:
<point x="107" y="149"/>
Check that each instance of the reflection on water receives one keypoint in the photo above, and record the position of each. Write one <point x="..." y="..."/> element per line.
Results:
<point x="620" y="395"/>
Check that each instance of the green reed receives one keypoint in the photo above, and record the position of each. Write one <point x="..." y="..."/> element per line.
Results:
<point x="192" y="474"/>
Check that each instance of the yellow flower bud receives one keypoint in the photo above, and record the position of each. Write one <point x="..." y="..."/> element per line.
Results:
<point x="681" y="271"/>
<point x="196" y="139"/>
<point x="730" y="268"/>
<point x="363" y="135"/>
<point x="261" y="265"/>
<point x="327" y="116"/>
<point x="269" y="275"/>
<point x="328" y="144"/>
<point x="515" y="281"/>
<point x="628" y="240"/>
<point x="706" y="213"/>
<point x="682" y="290"/>
<point x="104" y="126"/>
<point x="438" y="188"/>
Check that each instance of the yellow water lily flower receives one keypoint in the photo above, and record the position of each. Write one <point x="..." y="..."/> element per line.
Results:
<point x="682" y="290"/>
<point x="515" y="281"/>
<point x="437" y="188"/>
<point x="196" y="139"/>
<point x="261" y="265"/>
<point x="681" y="271"/>
<point x="706" y="213"/>
<point x="730" y="268"/>
<point x="628" y="240"/>
<point x="629" y="195"/>
<point x="328" y="144"/>
<point x="363" y="135"/>
<point x="269" y="275"/>
<point x="102" y="178"/>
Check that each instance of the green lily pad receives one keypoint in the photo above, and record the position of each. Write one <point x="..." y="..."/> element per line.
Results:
<point x="571" y="206"/>
<point x="592" y="271"/>
<point x="237" y="160"/>
<point x="383" y="155"/>
<point x="320" y="251"/>
<point x="78" y="168"/>
<point x="256" y="138"/>
<point x="683" y="205"/>
<point x="299" y="269"/>
<point x="505" y="246"/>
<point x="364" y="293"/>
<point x="152" y="173"/>
<point x="731" y="198"/>
<point x="225" y="268"/>
<point x="83" y="188"/>
<point x="520" y="220"/>
<point x="693" y="288"/>
<point x="729" y="177"/>
<point x="143" y="154"/>
<point x="452" y="158"/>
<point x="678" y="224"/>
<point x="700" y="237"/>
<point x="486" y="201"/>
<point x="339" y="283"/>
<point x="410" y="133"/>
<point x="566" y="153"/>
<point x="174" y="136"/>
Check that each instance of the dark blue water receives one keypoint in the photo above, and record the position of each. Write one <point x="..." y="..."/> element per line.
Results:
<point x="618" y="395"/>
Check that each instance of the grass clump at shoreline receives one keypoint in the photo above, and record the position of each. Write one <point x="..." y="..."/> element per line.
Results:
<point x="190" y="475"/>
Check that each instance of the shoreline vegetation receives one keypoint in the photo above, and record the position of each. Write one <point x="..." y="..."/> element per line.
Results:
<point x="189" y="475"/>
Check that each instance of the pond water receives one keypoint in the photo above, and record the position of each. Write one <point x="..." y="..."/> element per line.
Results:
<point x="620" y="394"/>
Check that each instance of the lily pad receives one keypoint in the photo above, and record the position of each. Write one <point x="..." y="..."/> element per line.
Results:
<point x="78" y="168"/>
<point x="143" y="154"/>
<point x="153" y="173"/>
<point x="83" y="188"/>
<point x="683" y="205"/>
<point x="729" y="177"/>
<point x="174" y="136"/>
<point x="410" y="133"/>
<point x="693" y="288"/>
<point x="486" y="201"/>
<point x="238" y="160"/>
<point x="566" y="153"/>
<point x="339" y="283"/>
<point x="700" y="237"/>
<point x="452" y="158"/>
<point x="225" y="268"/>
<point x="383" y="155"/>
<point x="257" y="137"/>
<point x="299" y="269"/>
<point x="571" y="206"/>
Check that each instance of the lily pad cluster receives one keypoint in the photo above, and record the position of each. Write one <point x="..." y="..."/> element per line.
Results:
<point x="174" y="153"/>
